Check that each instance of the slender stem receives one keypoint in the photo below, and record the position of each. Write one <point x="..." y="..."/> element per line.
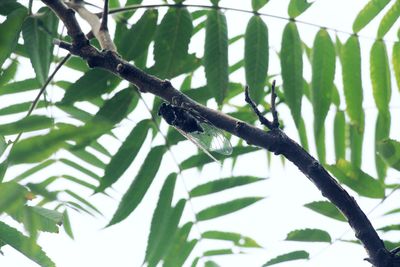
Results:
<point x="36" y="100"/>
<point x="135" y="7"/>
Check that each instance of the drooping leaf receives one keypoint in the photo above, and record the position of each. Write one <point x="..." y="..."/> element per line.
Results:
<point x="368" y="13"/>
<point x="222" y="184"/>
<point x="180" y="247"/>
<point x="323" y="73"/>
<point x="8" y="74"/>
<point x="356" y="179"/>
<point x="125" y="155"/>
<point x="86" y="156"/>
<point x="39" y="32"/>
<point x="27" y="124"/>
<point x="258" y="4"/>
<point x="3" y="146"/>
<point x="297" y="7"/>
<point x="137" y="39"/>
<point x="380" y="76"/>
<point x="291" y="256"/>
<point x="83" y="201"/>
<point x="389" y="150"/>
<point x="67" y="225"/>
<point x="172" y="41"/>
<point x="389" y="19"/>
<point x="339" y="129"/>
<point x="21" y="107"/>
<point x="33" y="170"/>
<point x="326" y="208"/>
<point x="396" y="62"/>
<point x="256" y="56"/>
<point x="356" y="143"/>
<point x="211" y="263"/>
<point x="25" y="245"/>
<point x="292" y="76"/>
<point x="140" y="185"/>
<point x="352" y="84"/>
<point x="9" y="32"/>
<point x="309" y="235"/>
<point x="237" y="239"/>
<point x="218" y="252"/>
<point x="92" y="84"/>
<point x="382" y="131"/>
<point x="164" y="223"/>
<point x="216" y="55"/>
<point x="226" y="208"/>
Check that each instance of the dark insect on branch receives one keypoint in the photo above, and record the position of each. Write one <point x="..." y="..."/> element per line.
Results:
<point x="196" y="129"/>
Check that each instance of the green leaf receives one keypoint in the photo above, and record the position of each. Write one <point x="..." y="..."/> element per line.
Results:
<point x="326" y="208"/>
<point x="137" y="39"/>
<point x="368" y="13"/>
<point x="3" y="146"/>
<point x="339" y="129"/>
<point x="3" y="169"/>
<point x="180" y="248"/>
<point x="256" y="54"/>
<point x="396" y="62"/>
<point x="309" y="235"/>
<point x="172" y="41"/>
<point x="9" y="32"/>
<point x="388" y="228"/>
<point x="226" y="208"/>
<point x="297" y="7"/>
<point x="39" y="32"/>
<point x="8" y="74"/>
<point x="356" y="143"/>
<point x="33" y="170"/>
<point x="20" y="86"/>
<point x="218" y="252"/>
<point x="23" y="244"/>
<point x="13" y="196"/>
<point x="258" y="4"/>
<point x="27" y="124"/>
<point x="140" y="185"/>
<point x="291" y="256"/>
<point x="323" y="73"/>
<point x="352" y="84"/>
<point x="67" y="224"/>
<point x="211" y="263"/>
<point x="291" y="57"/>
<point x="389" y="150"/>
<point x="389" y="19"/>
<point x="161" y="228"/>
<point x="222" y="184"/>
<point x="380" y="76"/>
<point x="83" y="201"/>
<point x="92" y="84"/>
<point x="80" y="168"/>
<point x="382" y="132"/>
<point x="125" y="155"/>
<point x="202" y="159"/>
<point x="38" y="148"/>
<point x="86" y="156"/>
<point x="237" y="239"/>
<point x="356" y="179"/>
<point x="216" y="55"/>
<point x="20" y="107"/>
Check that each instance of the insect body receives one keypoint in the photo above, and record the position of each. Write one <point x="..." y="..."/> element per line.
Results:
<point x="196" y="129"/>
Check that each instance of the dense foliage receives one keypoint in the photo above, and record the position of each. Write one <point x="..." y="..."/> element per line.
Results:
<point x="157" y="40"/>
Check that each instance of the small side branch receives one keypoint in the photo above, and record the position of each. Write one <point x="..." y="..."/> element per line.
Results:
<point x="264" y="121"/>
<point x="99" y="29"/>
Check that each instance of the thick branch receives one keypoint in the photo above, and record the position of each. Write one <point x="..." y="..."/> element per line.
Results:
<point x="274" y="140"/>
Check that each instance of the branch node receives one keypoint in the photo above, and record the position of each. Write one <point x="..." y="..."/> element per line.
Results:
<point x="264" y="121"/>
<point x="120" y="68"/>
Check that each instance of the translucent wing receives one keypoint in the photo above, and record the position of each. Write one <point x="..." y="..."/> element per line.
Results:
<point x="197" y="143"/>
<point x="213" y="139"/>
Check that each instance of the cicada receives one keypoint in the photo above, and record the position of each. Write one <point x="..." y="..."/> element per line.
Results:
<point x="196" y="128"/>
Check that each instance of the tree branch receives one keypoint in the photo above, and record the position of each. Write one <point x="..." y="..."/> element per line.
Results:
<point x="274" y="140"/>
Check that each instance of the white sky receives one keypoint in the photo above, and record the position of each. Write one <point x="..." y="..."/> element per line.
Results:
<point x="287" y="190"/>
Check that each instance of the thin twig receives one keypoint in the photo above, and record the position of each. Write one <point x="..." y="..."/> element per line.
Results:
<point x="49" y="79"/>
<point x="275" y="122"/>
<point x="104" y="19"/>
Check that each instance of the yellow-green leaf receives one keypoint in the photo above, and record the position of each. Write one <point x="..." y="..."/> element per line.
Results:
<point x="368" y="13"/>
<point x="309" y="235"/>
<point x="291" y="256"/>
<point x="256" y="57"/>
<point x="297" y="7"/>
<point x="389" y="19"/>
<point x="323" y="73"/>
<point x="216" y="55"/>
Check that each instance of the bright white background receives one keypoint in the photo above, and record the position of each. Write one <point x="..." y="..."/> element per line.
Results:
<point x="286" y="191"/>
